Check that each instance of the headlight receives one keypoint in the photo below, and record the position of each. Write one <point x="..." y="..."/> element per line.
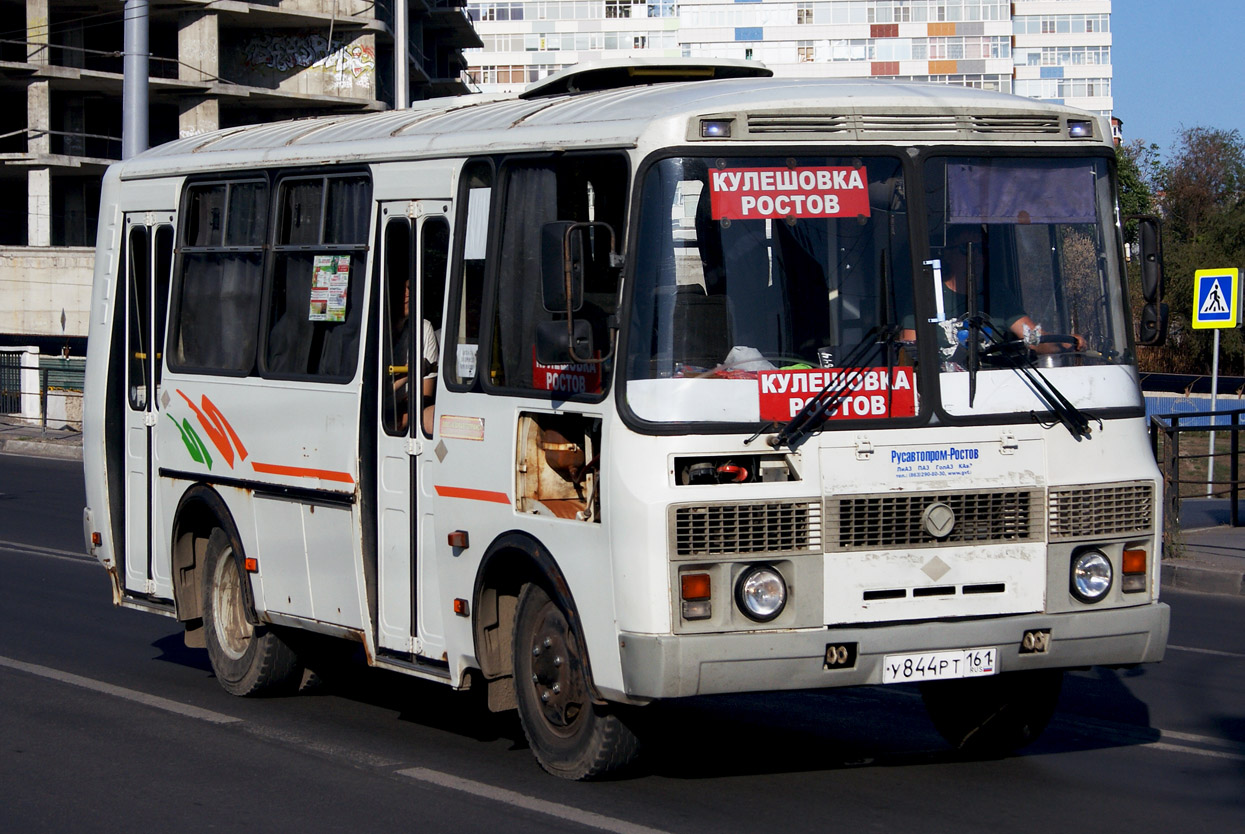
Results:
<point x="761" y="593"/>
<point x="1091" y="575"/>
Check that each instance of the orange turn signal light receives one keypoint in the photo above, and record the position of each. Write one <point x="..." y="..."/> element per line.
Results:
<point x="694" y="586"/>
<point x="252" y="565"/>
<point x="458" y="539"/>
<point x="460" y="607"/>
<point x="1134" y="561"/>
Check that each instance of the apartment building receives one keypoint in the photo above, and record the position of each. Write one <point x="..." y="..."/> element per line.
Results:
<point x="1055" y="50"/>
<point x="213" y="64"/>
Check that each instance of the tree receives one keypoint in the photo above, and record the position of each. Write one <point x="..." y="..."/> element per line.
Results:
<point x="1201" y="196"/>
<point x="1136" y="166"/>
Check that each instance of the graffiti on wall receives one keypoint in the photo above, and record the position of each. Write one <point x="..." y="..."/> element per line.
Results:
<point x="352" y="64"/>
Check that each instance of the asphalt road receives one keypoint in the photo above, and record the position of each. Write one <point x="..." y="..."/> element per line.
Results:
<point x="108" y="722"/>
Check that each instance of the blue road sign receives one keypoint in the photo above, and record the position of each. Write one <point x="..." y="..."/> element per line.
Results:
<point x="1215" y="298"/>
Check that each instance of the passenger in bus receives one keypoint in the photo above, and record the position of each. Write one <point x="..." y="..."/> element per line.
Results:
<point x="998" y="304"/>
<point x="428" y="367"/>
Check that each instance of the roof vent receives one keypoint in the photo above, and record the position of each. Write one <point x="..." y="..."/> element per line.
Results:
<point x="637" y="72"/>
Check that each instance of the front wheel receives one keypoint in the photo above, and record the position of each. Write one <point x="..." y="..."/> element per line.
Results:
<point x="570" y="735"/>
<point x="247" y="659"/>
<point x="996" y="715"/>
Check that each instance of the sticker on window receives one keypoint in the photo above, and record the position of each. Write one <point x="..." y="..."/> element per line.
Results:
<point x="862" y="393"/>
<point x="574" y="378"/>
<point x="773" y="193"/>
<point x="330" y="282"/>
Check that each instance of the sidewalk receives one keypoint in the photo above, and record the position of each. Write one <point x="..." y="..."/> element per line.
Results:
<point x="19" y="438"/>
<point x="1208" y="555"/>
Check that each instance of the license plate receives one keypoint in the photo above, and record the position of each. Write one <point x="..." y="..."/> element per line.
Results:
<point x="937" y="666"/>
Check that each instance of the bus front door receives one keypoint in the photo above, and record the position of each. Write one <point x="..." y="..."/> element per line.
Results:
<point x="414" y="246"/>
<point x="148" y="262"/>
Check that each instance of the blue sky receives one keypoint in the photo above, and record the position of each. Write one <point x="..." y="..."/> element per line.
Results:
<point x="1177" y="63"/>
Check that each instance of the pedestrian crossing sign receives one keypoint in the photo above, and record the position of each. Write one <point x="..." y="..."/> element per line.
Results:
<point x="1215" y="298"/>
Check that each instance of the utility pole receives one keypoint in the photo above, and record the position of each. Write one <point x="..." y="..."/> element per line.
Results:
<point x="401" y="56"/>
<point x="134" y="107"/>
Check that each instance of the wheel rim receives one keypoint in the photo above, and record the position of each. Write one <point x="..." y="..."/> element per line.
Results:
<point x="233" y="631"/>
<point x="557" y="672"/>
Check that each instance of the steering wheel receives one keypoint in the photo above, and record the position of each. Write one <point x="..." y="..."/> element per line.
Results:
<point x="1061" y="339"/>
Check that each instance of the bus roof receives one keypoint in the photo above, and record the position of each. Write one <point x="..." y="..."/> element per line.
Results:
<point x="763" y="110"/>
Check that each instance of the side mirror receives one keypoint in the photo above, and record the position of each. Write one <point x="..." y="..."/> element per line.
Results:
<point x="1150" y="238"/>
<point x="562" y="260"/>
<point x="556" y="346"/>
<point x="1152" y="329"/>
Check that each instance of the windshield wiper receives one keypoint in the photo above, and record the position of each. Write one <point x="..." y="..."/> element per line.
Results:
<point x="817" y="410"/>
<point x="1073" y="419"/>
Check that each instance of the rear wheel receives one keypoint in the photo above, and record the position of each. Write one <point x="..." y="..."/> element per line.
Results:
<point x="247" y="659"/>
<point x="995" y="715"/>
<point x="570" y="735"/>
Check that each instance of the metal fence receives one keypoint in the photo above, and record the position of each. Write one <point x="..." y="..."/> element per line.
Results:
<point x="1181" y="445"/>
<point x="41" y="390"/>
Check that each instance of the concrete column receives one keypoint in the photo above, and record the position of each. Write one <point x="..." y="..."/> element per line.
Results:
<point x="39" y="207"/>
<point x="198" y="50"/>
<point x="37" y="24"/>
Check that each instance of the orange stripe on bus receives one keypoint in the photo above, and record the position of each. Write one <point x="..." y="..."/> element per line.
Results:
<point x="302" y="472"/>
<point x="473" y="494"/>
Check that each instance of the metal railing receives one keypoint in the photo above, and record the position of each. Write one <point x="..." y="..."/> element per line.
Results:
<point x="1178" y="459"/>
<point x="46" y="392"/>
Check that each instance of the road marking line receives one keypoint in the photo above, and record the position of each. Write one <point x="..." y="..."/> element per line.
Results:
<point x="36" y="550"/>
<point x="1216" y="742"/>
<point x="120" y="692"/>
<point x="1180" y="748"/>
<point x="518" y="800"/>
<point x="1215" y="652"/>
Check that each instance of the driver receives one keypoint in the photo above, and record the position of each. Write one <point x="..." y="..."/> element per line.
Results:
<point x="1004" y="312"/>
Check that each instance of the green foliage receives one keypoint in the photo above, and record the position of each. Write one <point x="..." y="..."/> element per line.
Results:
<point x="1201" y="197"/>
<point x="1135" y="165"/>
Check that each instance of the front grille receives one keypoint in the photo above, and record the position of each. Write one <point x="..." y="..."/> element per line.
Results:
<point x="1101" y="511"/>
<point x="703" y="530"/>
<point x="894" y="520"/>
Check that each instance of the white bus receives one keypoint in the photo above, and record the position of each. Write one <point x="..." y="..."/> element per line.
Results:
<point x="657" y="380"/>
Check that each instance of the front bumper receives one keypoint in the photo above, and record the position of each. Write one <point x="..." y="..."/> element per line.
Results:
<point x="675" y="666"/>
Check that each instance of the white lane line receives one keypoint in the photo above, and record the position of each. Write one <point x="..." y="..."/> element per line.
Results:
<point x="1180" y="748"/>
<point x="119" y="692"/>
<point x="518" y="800"/>
<point x="1215" y="652"/>
<point x="56" y="553"/>
<point x="1196" y="739"/>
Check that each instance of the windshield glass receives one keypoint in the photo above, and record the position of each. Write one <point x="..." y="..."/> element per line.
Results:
<point x="757" y="279"/>
<point x="1026" y="247"/>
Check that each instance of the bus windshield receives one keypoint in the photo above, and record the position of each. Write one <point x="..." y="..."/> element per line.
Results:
<point x="752" y="266"/>
<point x="759" y="279"/>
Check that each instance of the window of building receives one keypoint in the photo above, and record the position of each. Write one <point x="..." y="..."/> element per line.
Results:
<point x="803" y="13"/>
<point x="805" y="51"/>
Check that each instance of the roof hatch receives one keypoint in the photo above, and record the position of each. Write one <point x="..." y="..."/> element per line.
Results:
<point x="637" y="72"/>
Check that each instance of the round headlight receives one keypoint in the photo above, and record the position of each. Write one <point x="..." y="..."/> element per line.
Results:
<point x="1091" y="575"/>
<point x="761" y="593"/>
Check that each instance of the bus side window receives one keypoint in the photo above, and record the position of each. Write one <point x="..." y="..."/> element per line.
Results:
<point x="580" y="189"/>
<point x="219" y="277"/>
<point x="315" y="304"/>
<point x="464" y="325"/>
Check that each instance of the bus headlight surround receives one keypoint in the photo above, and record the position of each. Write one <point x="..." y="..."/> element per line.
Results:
<point x="1091" y="575"/>
<point x="761" y="593"/>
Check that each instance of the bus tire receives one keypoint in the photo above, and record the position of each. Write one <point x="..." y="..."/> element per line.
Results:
<point x="571" y="736"/>
<point x="247" y="659"/>
<point x="993" y="716"/>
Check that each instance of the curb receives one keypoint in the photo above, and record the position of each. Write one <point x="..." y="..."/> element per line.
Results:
<point x="63" y="451"/>
<point x="1189" y="577"/>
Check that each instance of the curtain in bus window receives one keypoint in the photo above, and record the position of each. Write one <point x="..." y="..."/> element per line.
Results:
<point x="219" y="310"/>
<point x="531" y="201"/>
<point x="346" y="211"/>
<point x="1017" y="191"/>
